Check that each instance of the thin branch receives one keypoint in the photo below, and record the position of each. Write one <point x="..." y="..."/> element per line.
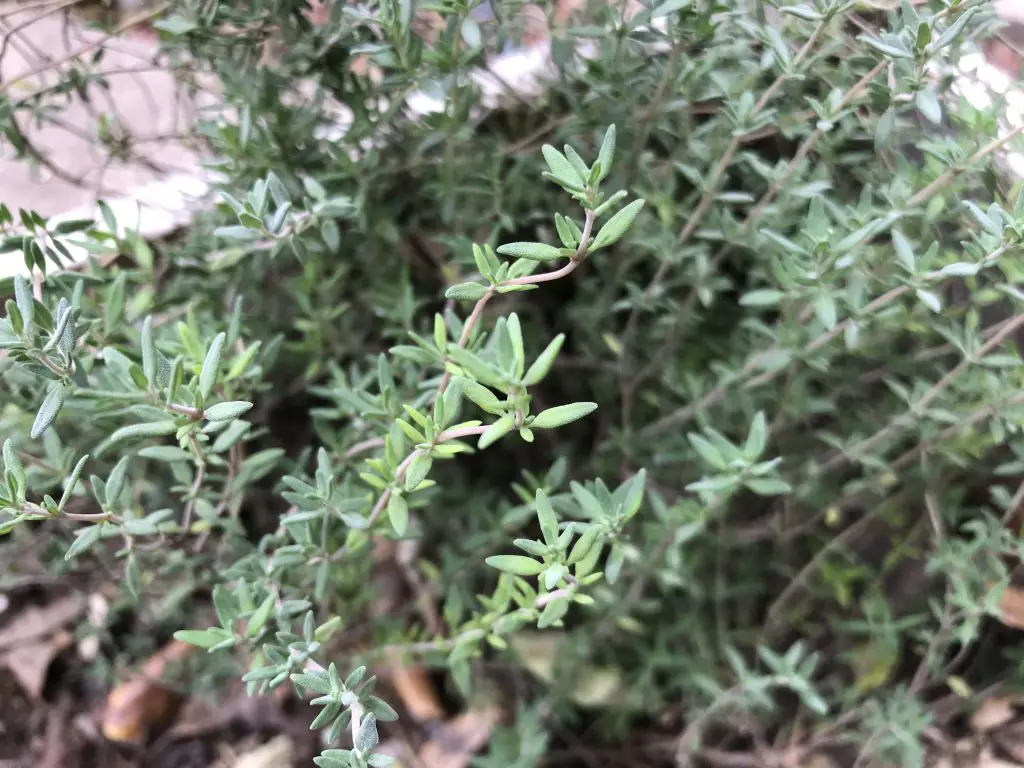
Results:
<point x="124" y="26"/>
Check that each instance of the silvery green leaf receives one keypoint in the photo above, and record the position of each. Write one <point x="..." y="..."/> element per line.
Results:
<point x="398" y="514"/>
<point x="211" y="366"/>
<point x="417" y="472"/>
<point x="617" y="225"/>
<point x="115" y="482"/>
<point x="606" y="155"/>
<point x="148" y="351"/>
<point x="466" y="292"/>
<point x="546" y="517"/>
<point x="553" y="612"/>
<point x="481" y="395"/>
<point x="48" y="411"/>
<point x="904" y="251"/>
<point x="226" y="411"/>
<point x="757" y="438"/>
<point x="540" y="367"/>
<point x="84" y="539"/>
<point x="532" y="251"/>
<point x="133" y="431"/>
<point x="560" y="167"/>
<point x="366" y="739"/>
<point x="515" y="564"/>
<point x="12" y="463"/>
<point x="927" y="100"/>
<point x="497" y="430"/>
<point x="561" y="415"/>
<point x="23" y="297"/>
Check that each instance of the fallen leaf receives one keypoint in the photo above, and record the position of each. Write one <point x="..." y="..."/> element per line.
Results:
<point x="416" y="691"/>
<point x="1011" y="607"/>
<point x="455" y="743"/>
<point x="1011" y="741"/>
<point x="142" y="704"/>
<point x="993" y="713"/>
<point x="29" y="663"/>
<point x="36" y="621"/>
<point x="276" y="753"/>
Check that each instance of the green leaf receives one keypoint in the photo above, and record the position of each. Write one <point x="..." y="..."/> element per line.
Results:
<point x="418" y="470"/>
<point x="929" y="299"/>
<point x="617" y="225"/>
<point x="825" y="310"/>
<point x="480" y="395"/>
<point x="166" y="453"/>
<point x="927" y="101"/>
<point x="542" y="365"/>
<point x="562" y="414"/>
<point x="757" y="438"/>
<point x="560" y="167"/>
<point x="884" y="128"/>
<point x="226" y="411"/>
<point x="49" y="410"/>
<point x="764" y="297"/>
<point x="202" y="638"/>
<point x="134" y="431"/>
<point x="334" y="758"/>
<point x="259" y="618"/>
<point x="553" y="612"/>
<point x="707" y="451"/>
<point x="546" y="517"/>
<point x="23" y="297"/>
<point x="72" y="481"/>
<point x="466" y="292"/>
<point x="531" y="251"/>
<point x="577" y="162"/>
<point x="767" y="486"/>
<point x="497" y="430"/>
<point x="515" y="334"/>
<point x="606" y="154"/>
<point x="367" y="738"/>
<point x="211" y="366"/>
<point x="904" y="251"/>
<point x="398" y="514"/>
<point x="148" y="351"/>
<point x="85" y="538"/>
<point x="583" y="545"/>
<point x="515" y="564"/>
<point x="12" y="463"/>
<point x="613" y="566"/>
<point x="115" y="482"/>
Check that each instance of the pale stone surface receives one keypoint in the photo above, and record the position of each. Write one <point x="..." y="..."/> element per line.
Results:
<point x="143" y="103"/>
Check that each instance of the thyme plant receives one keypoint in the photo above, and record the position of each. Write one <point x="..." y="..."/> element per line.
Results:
<point x="746" y="455"/>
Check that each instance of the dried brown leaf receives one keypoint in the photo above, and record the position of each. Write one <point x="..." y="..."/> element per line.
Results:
<point x="416" y="692"/>
<point x="36" y="621"/>
<point x="142" y="704"/>
<point x="1011" y="607"/>
<point x="29" y="663"/>
<point x="455" y="743"/>
<point x="993" y="713"/>
<point x="276" y="753"/>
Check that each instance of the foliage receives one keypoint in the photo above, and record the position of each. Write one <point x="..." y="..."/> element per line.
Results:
<point x="705" y="438"/>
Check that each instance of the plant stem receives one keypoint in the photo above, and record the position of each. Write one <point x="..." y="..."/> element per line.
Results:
<point x="712" y="187"/>
<point x="906" y="419"/>
<point x="684" y="414"/>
